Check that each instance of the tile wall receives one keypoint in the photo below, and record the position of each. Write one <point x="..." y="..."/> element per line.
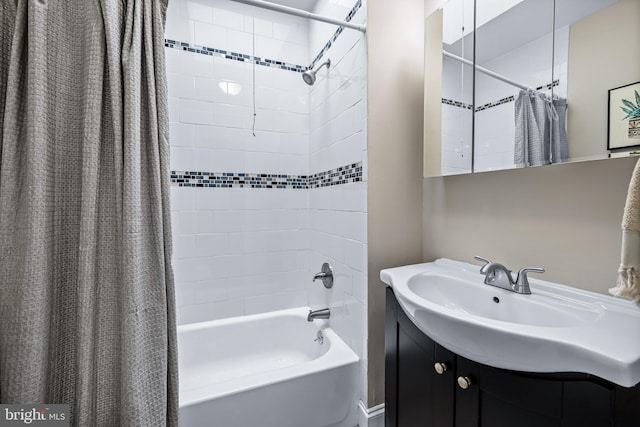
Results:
<point x="238" y="249"/>
<point x="254" y="217"/>
<point x="338" y="214"/>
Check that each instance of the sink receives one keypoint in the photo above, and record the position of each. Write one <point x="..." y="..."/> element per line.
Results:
<point x="555" y="329"/>
<point x="477" y="299"/>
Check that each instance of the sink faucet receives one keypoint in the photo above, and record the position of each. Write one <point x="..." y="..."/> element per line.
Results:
<point x="323" y="313"/>
<point x="500" y="276"/>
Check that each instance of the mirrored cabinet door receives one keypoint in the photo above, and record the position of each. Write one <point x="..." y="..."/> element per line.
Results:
<point x="597" y="36"/>
<point x="513" y="84"/>
<point x="457" y="87"/>
<point x="550" y="83"/>
<point x="449" y="89"/>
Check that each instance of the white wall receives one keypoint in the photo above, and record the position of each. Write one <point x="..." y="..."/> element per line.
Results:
<point x="238" y="250"/>
<point x="338" y="214"/>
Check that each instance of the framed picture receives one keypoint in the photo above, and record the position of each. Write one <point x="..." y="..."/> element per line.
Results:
<point x="624" y="117"/>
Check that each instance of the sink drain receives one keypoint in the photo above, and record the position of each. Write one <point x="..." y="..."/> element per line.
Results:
<point x="496" y="300"/>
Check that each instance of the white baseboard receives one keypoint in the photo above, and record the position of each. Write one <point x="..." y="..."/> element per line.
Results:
<point x="370" y="417"/>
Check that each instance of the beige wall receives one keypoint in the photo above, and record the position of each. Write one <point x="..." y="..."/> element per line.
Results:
<point x="565" y="218"/>
<point x="602" y="56"/>
<point x="395" y="111"/>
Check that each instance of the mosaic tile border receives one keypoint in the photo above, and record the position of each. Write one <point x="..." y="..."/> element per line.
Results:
<point x="235" y="56"/>
<point x="339" y="31"/>
<point x="495" y="103"/>
<point x="265" y="62"/>
<point x="342" y="175"/>
<point x="457" y="104"/>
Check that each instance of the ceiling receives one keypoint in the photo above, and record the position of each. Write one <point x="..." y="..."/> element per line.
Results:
<point x="307" y="5"/>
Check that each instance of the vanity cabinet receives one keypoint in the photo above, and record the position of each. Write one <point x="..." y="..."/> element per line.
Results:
<point x="427" y="385"/>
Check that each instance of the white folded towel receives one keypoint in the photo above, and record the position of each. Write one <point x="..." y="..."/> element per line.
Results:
<point x="628" y="284"/>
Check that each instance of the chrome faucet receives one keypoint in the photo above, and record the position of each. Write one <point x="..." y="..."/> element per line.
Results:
<point x="326" y="275"/>
<point x="500" y="276"/>
<point x="323" y="313"/>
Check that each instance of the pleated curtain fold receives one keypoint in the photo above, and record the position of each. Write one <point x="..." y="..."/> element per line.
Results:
<point x="87" y="310"/>
<point x="540" y="129"/>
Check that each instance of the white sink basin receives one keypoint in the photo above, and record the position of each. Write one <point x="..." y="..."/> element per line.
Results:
<point x="555" y="329"/>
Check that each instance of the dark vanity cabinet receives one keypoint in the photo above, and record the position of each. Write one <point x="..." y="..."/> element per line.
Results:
<point x="427" y="385"/>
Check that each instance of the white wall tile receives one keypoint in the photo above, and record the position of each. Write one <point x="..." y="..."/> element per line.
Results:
<point x="183" y="198"/>
<point x="185" y="295"/>
<point x="195" y="11"/>
<point x="181" y="134"/>
<point x="229" y="19"/>
<point x="211" y="291"/>
<point x="211" y="36"/>
<point x="178" y="29"/>
<point x="184" y="246"/>
<point x="259" y="26"/>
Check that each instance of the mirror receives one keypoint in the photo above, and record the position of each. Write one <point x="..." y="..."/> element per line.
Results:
<point x="513" y="83"/>
<point x="539" y="91"/>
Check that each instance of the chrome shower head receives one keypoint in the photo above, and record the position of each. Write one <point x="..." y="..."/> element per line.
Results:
<point x="309" y="76"/>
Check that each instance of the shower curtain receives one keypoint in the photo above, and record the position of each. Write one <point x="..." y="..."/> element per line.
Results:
<point x="86" y="285"/>
<point x="541" y="135"/>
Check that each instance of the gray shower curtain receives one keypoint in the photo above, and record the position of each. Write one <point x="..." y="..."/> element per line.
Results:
<point x="540" y="129"/>
<point x="86" y="286"/>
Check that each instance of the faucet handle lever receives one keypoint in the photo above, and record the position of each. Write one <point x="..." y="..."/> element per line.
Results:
<point x="483" y="269"/>
<point x="326" y="275"/>
<point x="485" y="260"/>
<point x="522" y="282"/>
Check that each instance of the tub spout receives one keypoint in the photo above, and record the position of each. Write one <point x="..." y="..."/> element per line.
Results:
<point x="323" y="313"/>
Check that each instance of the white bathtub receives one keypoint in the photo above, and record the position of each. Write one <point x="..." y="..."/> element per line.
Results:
<point x="266" y="370"/>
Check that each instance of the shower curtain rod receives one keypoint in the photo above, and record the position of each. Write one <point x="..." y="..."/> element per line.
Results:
<point x="485" y="71"/>
<point x="301" y="13"/>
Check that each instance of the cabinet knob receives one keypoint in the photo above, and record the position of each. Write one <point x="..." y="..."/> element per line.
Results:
<point x="440" y="367"/>
<point x="464" y="382"/>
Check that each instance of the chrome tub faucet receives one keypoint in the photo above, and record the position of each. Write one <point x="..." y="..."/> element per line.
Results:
<point x="323" y="313"/>
<point x="326" y="275"/>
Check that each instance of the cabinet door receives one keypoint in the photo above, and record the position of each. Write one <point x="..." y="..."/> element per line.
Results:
<point x="444" y="388"/>
<point x="588" y="403"/>
<point x="627" y="408"/>
<point x="497" y="397"/>
<point x="416" y="394"/>
<point x="415" y="375"/>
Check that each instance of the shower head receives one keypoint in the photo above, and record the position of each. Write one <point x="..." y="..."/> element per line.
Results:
<point x="309" y="76"/>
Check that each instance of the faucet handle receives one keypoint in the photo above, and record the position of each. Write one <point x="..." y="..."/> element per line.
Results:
<point x="522" y="282"/>
<point x="485" y="260"/>
<point x="326" y="275"/>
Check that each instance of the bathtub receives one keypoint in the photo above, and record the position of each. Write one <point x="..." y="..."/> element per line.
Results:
<point x="267" y="370"/>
